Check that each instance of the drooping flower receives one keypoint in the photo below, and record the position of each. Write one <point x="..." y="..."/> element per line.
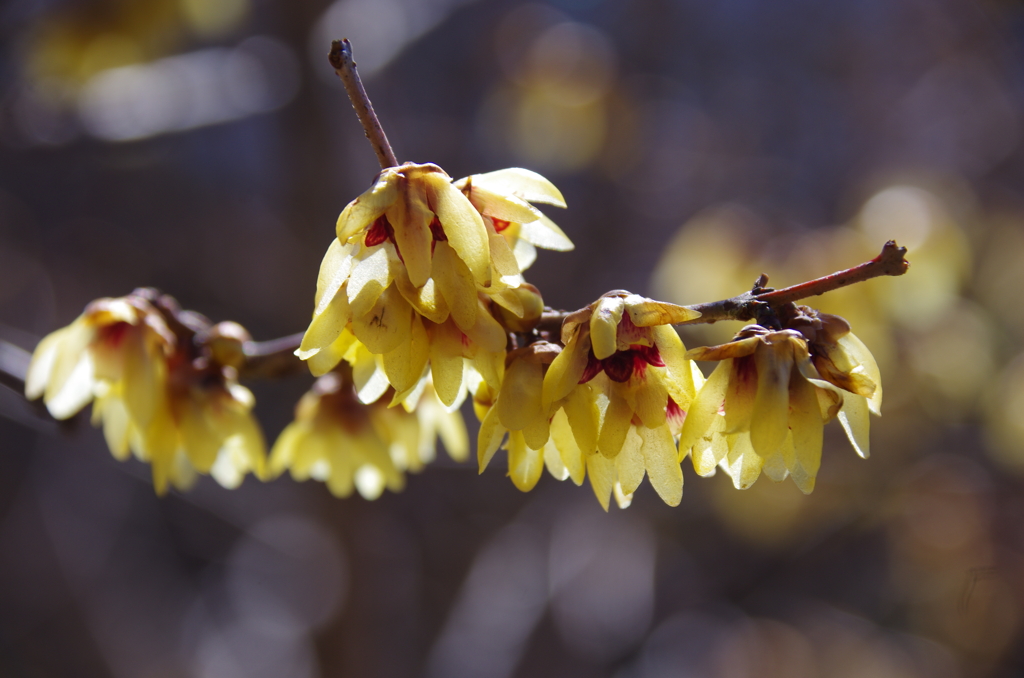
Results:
<point x="349" y="445"/>
<point x="625" y="386"/>
<point x="171" y="401"/>
<point x="503" y="199"/>
<point x="416" y="267"/>
<point x="764" y="407"/>
<point x="536" y="437"/>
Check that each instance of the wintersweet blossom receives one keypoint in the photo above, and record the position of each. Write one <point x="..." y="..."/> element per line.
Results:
<point x="764" y="407"/>
<point x="349" y="445"/>
<point x="155" y="393"/>
<point x="416" y="269"/>
<point x="625" y="385"/>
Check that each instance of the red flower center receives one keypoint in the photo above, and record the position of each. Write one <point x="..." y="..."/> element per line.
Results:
<point x="621" y="365"/>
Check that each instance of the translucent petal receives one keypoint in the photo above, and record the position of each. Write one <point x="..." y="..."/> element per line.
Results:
<point x="386" y="325"/>
<point x="856" y="348"/>
<point x="545" y="234"/>
<point x="770" y="416"/>
<point x="553" y="462"/>
<point x="601" y="470"/>
<point x="446" y="361"/>
<point x="489" y="438"/>
<point x="629" y="463"/>
<point x="584" y="417"/>
<point x="456" y="285"/>
<point x="704" y="409"/>
<point x="487" y="333"/>
<point x="325" y="328"/>
<point x="426" y="300"/>
<point x="651" y="398"/>
<point x="519" y="402"/>
<point x="806" y="426"/>
<point x="572" y="456"/>
<point x="334" y="271"/>
<point x="404" y="364"/>
<point x="604" y="326"/>
<point x="663" y="468"/>
<point x="370" y="277"/>
<point x="647" y="312"/>
<point x="505" y="265"/>
<point x="566" y="370"/>
<point x="504" y="206"/>
<point x="326" y="359"/>
<point x="76" y="390"/>
<point x="743" y="463"/>
<point x="854" y="418"/>
<point x="364" y="210"/>
<point x="463" y="225"/>
<point x="524" y="464"/>
<point x="519" y="182"/>
<point x="410" y="218"/>
<point x="617" y="420"/>
<point x="525" y="254"/>
<point x="41" y="366"/>
<point x="740" y="395"/>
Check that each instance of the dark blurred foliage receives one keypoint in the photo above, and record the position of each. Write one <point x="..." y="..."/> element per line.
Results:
<point x="206" y="148"/>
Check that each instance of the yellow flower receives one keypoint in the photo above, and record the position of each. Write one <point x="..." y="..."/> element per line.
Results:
<point x="415" y="268"/>
<point x="503" y="199"/>
<point x="347" y="444"/>
<point x="625" y="385"/>
<point x="765" y="405"/>
<point x="157" y="393"/>
<point x="535" y="438"/>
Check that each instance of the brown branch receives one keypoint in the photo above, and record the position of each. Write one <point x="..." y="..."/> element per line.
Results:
<point x="272" y="359"/>
<point x="891" y="261"/>
<point x="343" y="64"/>
<point x="13" y="366"/>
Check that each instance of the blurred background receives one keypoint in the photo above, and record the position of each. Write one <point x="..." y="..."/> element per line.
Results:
<point x="205" y="147"/>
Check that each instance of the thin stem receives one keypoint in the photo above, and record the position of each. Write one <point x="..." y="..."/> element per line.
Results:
<point x="891" y="261"/>
<point x="343" y="64"/>
<point x="272" y="358"/>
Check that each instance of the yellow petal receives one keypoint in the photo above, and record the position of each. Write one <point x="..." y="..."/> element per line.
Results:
<point x="629" y="463"/>
<point x="650" y="398"/>
<point x="604" y="326"/>
<point x="546" y="234"/>
<point x="704" y="409"/>
<point x="364" y="210"/>
<point x="566" y="370"/>
<point x="370" y="277"/>
<point x="506" y="207"/>
<point x="446" y="361"/>
<point x="519" y="402"/>
<point x="584" y="417"/>
<point x="806" y="425"/>
<point x="404" y="364"/>
<point x="327" y="358"/>
<point x="572" y="456"/>
<point x="519" y="182"/>
<point x="770" y="416"/>
<point x="525" y="253"/>
<point x="504" y="262"/>
<point x="616" y="425"/>
<point x="463" y="225"/>
<point x="489" y="438"/>
<point x="40" y="367"/>
<point x="659" y="451"/>
<point x="601" y="470"/>
<point x="740" y="395"/>
<point x="334" y="271"/>
<point x="410" y="218"/>
<point x="743" y="463"/>
<point x="708" y="452"/>
<point x="325" y="328"/>
<point x="486" y="332"/>
<point x="553" y="461"/>
<point x="524" y="465"/>
<point x="456" y="285"/>
<point x="856" y="348"/>
<point x="648" y="313"/>
<point x="386" y="325"/>
<point x="426" y="300"/>
<point x="854" y="418"/>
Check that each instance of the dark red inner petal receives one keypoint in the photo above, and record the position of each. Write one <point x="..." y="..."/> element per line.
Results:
<point x="379" y="232"/>
<point x="500" y="224"/>
<point x="435" y="228"/>
<point x="619" y="366"/>
<point x="649" y="354"/>
<point x="113" y="335"/>
<point x="674" y="412"/>
<point x="592" y="370"/>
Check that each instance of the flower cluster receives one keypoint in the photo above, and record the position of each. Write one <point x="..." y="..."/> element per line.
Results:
<point x="339" y="440"/>
<point x="173" y="401"/>
<point x="765" y="405"/>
